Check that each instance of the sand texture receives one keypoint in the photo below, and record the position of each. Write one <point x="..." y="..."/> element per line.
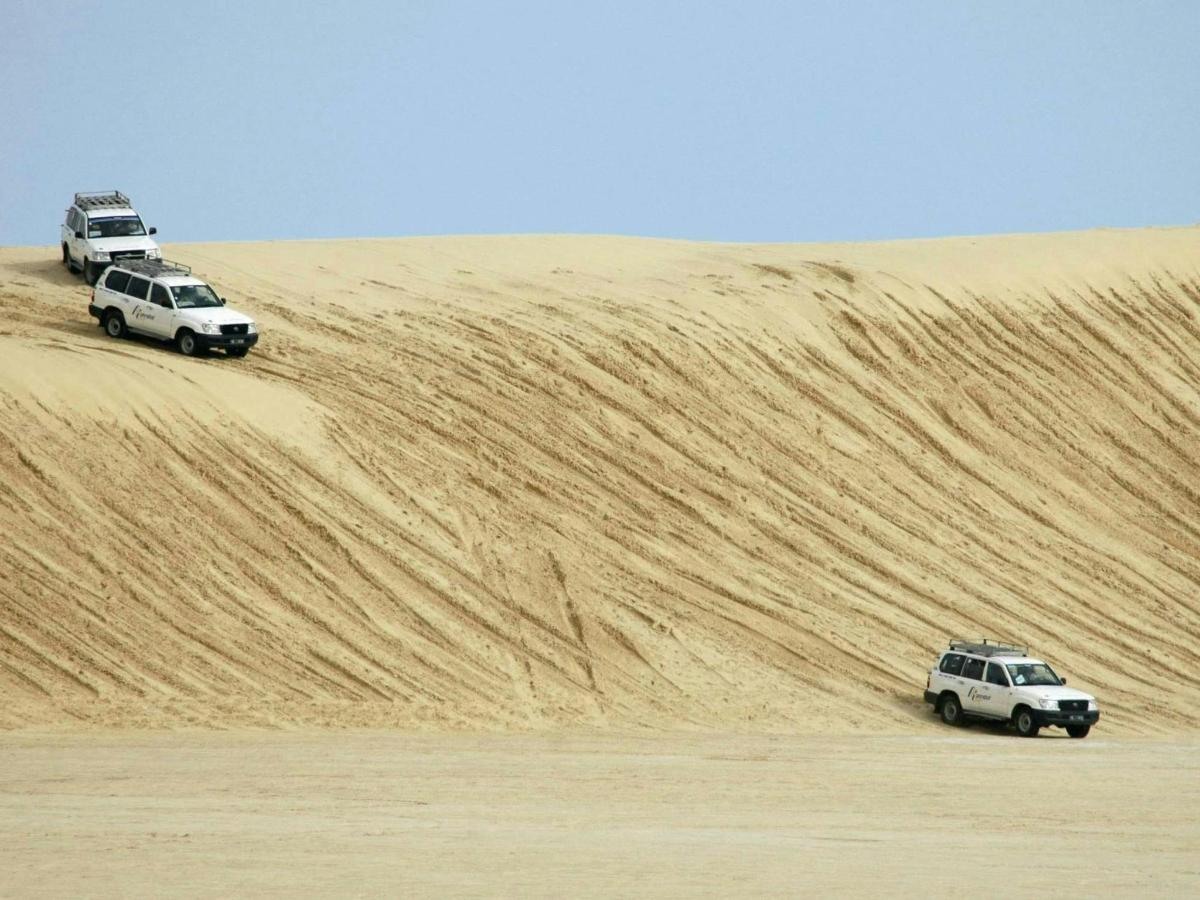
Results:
<point x="514" y="483"/>
<point x="354" y="814"/>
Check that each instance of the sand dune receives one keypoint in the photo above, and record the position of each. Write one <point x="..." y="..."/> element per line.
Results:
<point x="544" y="482"/>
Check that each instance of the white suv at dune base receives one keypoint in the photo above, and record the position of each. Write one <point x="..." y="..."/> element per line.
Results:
<point x="163" y="300"/>
<point x="1000" y="682"/>
<point x="101" y="228"/>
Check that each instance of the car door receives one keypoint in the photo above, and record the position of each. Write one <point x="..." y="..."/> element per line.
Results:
<point x="164" y="308"/>
<point x="110" y="291"/>
<point x="75" y="225"/>
<point x="142" y="315"/>
<point x="948" y="675"/>
<point x="972" y="695"/>
<point x="995" y="696"/>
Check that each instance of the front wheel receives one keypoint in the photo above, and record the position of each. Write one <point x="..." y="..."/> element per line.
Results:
<point x="90" y="273"/>
<point x="951" y="710"/>
<point x="66" y="257"/>
<point x="187" y="343"/>
<point x="1078" y="731"/>
<point x="1026" y="724"/>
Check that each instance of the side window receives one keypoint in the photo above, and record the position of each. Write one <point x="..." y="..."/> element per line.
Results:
<point x="138" y="287"/>
<point x="952" y="663"/>
<point x="995" y="675"/>
<point x="159" y="296"/>
<point x="117" y="280"/>
<point x="973" y="668"/>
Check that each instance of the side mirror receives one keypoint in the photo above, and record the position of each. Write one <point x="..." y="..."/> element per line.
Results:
<point x="79" y="235"/>
<point x="1063" y="680"/>
<point x="153" y="230"/>
<point x="222" y="299"/>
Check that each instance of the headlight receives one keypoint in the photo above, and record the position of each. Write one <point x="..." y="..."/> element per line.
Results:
<point x="251" y="328"/>
<point x="1092" y="706"/>
<point x="210" y="327"/>
<point x="1048" y="704"/>
<point x="153" y="254"/>
<point x="101" y="254"/>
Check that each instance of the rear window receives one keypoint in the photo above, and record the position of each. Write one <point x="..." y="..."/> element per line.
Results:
<point x="117" y="280"/>
<point x="138" y="287"/>
<point x="952" y="663"/>
<point x="973" y="668"/>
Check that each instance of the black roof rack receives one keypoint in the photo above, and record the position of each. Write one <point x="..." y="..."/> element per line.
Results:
<point x="153" y="267"/>
<point x="100" y="199"/>
<point x="987" y="647"/>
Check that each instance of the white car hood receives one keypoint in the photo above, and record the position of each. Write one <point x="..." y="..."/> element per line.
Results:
<point x="221" y="315"/>
<point x="120" y="244"/>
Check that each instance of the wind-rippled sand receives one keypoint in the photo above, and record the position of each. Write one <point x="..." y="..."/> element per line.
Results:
<point x="653" y="501"/>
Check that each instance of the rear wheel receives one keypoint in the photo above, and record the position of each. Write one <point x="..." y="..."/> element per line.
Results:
<point x="951" y="710"/>
<point x="186" y="341"/>
<point x="114" y="324"/>
<point x="1078" y="731"/>
<point x="1026" y="724"/>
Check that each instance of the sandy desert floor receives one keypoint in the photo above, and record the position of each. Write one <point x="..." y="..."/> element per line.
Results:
<point x="540" y="482"/>
<point x="382" y="814"/>
<point x="556" y="491"/>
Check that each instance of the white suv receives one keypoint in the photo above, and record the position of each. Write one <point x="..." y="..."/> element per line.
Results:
<point x="1001" y="682"/>
<point x="102" y="228"/>
<point x="162" y="300"/>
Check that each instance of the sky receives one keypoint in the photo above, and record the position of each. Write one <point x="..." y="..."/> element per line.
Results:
<point x="729" y="121"/>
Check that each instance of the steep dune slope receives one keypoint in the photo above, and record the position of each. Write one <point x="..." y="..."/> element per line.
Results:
<point x="543" y="482"/>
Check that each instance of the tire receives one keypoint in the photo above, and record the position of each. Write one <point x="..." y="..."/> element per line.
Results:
<point x="114" y="324"/>
<point x="237" y="352"/>
<point x="66" y="257"/>
<point x="950" y="710"/>
<point x="1025" y="722"/>
<point x="90" y="275"/>
<point x="1078" y="731"/>
<point x="187" y="343"/>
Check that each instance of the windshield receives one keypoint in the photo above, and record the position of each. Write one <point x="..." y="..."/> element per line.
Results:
<point x="1032" y="674"/>
<point x="194" y="296"/>
<point x="115" y="226"/>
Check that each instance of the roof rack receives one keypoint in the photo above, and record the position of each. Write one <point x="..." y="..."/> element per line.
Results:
<point x="153" y="267"/>
<point x="99" y="199"/>
<point x="986" y="647"/>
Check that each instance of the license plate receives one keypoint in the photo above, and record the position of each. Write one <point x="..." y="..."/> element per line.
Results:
<point x="237" y="341"/>
<point x="1076" y="718"/>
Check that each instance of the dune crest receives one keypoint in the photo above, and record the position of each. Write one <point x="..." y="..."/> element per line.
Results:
<point x="545" y="482"/>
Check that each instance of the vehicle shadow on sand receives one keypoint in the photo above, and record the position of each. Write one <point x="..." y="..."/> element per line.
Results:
<point x="94" y="336"/>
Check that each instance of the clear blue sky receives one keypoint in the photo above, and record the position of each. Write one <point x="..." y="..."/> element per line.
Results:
<point x="737" y="121"/>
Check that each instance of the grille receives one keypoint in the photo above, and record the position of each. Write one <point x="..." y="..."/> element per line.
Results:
<point x="233" y="329"/>
<point x="1072" y="705"/>
<point x="127" y="254"/>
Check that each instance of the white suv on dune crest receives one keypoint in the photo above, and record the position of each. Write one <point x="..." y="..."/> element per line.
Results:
<point x="163" y="300"/>
<point x="1002" y="683"/>
<point x="102" y="228"/>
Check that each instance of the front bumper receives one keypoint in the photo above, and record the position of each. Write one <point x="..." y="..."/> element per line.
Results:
<point x="931" y="698"/>
<point x="225" y="341"/>
<point x="1046" y="717"/>
<point x="94" y="311"/>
